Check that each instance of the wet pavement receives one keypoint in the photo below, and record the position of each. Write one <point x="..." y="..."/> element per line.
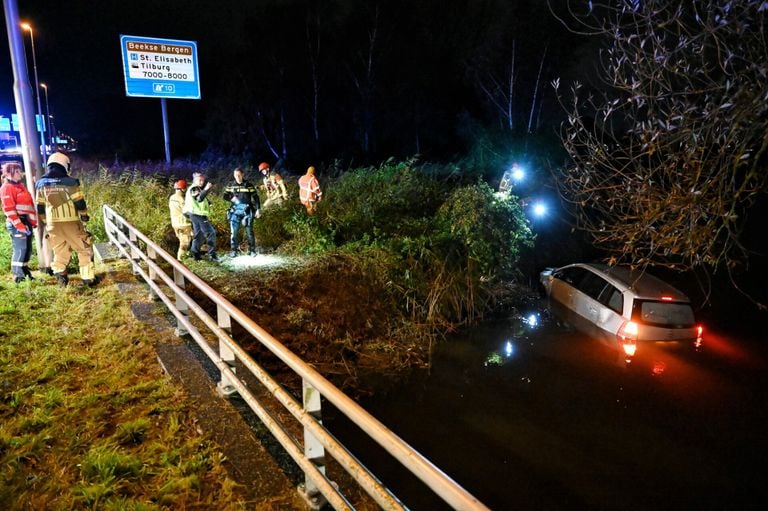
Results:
<point x="528" y="415"/>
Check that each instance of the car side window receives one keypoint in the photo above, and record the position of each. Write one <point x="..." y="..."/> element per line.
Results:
<point x="612" y="298"/>
<point x="569" y="275"/>
<point x="591" y="284"/>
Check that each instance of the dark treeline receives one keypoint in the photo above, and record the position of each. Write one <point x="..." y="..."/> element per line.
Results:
<point x="353" y="80"/>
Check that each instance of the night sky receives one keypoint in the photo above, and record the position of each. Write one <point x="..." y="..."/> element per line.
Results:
<point x="422" y="93"/>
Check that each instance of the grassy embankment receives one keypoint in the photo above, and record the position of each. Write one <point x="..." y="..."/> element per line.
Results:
<point x="87" y="419"/>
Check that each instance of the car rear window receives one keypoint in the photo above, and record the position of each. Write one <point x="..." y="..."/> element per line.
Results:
<point x="671" y="314"/>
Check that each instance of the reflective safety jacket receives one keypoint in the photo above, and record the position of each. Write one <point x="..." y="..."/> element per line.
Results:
<point x="196" y="201"/>
<point x="277" y="190"/>
<point x="18" y="204"/>
<point x="309" y="188"/>
<point x="59" y="197"/>
<point x="176" y="207"/>
<point x="242" y="195"/>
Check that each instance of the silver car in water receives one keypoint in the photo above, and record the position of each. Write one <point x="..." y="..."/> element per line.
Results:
<point x="620" y="306"/>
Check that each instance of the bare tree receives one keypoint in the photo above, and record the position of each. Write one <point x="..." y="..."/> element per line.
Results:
<point x="313" y="47"/>
<point x="536" y="89"/>
<point x="667" y="157"/>
<point x="364" y="79"/>
<point x="499" y="90"/>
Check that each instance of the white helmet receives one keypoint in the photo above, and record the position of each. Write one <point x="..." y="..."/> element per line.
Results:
<point x="60" y="158"/>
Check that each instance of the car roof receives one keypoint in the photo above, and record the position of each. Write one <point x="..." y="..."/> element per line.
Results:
<point x="642" y="283"/>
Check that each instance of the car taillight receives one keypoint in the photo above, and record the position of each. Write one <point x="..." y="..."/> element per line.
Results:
<point x="627" y="337"/>
<point x="629" y="330"/>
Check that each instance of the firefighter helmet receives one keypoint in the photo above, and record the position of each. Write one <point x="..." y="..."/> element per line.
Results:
<point x="264" y="167"/>
<point x="59" y="158"/>
<point x="180" y="185"/>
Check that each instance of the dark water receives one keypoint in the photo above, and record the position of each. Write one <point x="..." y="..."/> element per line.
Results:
<point x="537" y="417"/>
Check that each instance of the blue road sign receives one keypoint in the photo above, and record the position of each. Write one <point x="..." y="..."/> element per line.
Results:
<point x="17" y="124"/>
<point x="160" y="68"/>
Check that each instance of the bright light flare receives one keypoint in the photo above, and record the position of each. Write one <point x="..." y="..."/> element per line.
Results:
<point x="699" y="338"/>
<point x="539" y="209"/>
<point x="509" y="349"/>
<point x="518" y="174"/>
<point x="629" y="348"/>
<point x="532" y="320"/>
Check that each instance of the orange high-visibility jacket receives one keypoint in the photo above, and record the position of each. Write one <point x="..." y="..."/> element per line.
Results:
<point x="309" y="188"/>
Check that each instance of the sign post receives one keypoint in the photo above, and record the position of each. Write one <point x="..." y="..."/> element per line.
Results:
<point x="160" y="68"/>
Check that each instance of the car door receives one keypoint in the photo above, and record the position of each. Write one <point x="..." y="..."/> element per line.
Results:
<point x="588" y="306"/>
<point x="563" y="290"/>
<point x="610" y="318"/>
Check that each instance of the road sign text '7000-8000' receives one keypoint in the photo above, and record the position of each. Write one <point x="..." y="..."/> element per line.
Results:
<point x="160" y="68"/>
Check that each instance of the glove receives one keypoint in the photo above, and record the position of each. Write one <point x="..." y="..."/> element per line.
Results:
<point x="84" y="217"/>
<point x="27" y="231"/>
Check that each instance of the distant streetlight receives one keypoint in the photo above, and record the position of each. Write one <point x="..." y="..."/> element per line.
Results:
<point x="28" y="28"/>
<point x="48" y="122"/>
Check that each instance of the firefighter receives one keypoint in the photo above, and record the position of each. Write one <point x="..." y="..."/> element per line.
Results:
<point x="21" y="215"/>
<point x="197" y="207"/>
<point x="276" y="193"/>
<point x="309" y="190"/>
<point x="61" y="208"/>
<point x="265" y="170"/>
<point x="180" y="223"/>
<point x="244" y="205"/>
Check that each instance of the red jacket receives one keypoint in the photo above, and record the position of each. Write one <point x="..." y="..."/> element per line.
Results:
<point x="18" y="201"/>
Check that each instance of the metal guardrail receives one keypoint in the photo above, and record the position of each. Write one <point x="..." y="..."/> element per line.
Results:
<point x="145" y="254"/>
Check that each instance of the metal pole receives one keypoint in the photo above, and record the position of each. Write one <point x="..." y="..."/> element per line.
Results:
<point x="24" y="109"/>
<point x="48" y="122"/>
<point x="164" y="108"/>
<point x="28" y="27"/>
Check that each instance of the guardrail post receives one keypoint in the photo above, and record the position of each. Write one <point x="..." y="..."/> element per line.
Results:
<point x="225" y="387"/>
<point x="119" y="239"/>
<point x="135" y="253"/>
<point x="313" y="449"/>
<point x="181" y="305"/>
<point x="152" y="254"/>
